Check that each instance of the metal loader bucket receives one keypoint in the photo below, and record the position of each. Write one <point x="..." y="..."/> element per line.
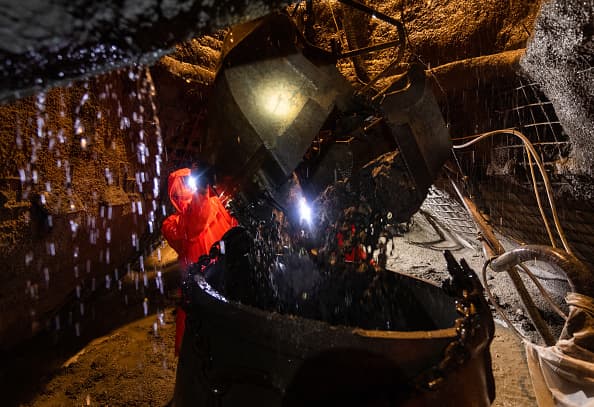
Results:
<point x="238" y="355"/>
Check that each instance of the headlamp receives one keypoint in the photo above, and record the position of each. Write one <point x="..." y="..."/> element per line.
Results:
<point x="304" y="211"/>
<point x="192" y="182"/>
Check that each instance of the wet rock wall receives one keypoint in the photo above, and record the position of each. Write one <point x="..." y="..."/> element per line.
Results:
<point x="80" y="185"/>
<point x="53" y="42"/>
<point x="560" y="57"/>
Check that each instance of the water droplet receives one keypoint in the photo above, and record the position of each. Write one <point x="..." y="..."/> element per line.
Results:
<point x="124" y="123"/>
<point x="78" y="127"/>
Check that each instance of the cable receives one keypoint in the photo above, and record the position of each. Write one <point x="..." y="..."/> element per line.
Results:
<point x="493" y="247"/>
<point x="466" y="137"/>
<point x="542" y="290"/>
<point x="500" y="310"/>
<point x="539" y="202"/>
<point x="531" y="151"/>
<point x="530" y="148"/>
<point x="496" y="305"/>
<point x="335" y="23"/>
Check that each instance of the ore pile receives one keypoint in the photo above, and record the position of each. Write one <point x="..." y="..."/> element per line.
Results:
<point x="326" y="270"/>
<point x="293" y="283"/>
<point x="355" y="212"/>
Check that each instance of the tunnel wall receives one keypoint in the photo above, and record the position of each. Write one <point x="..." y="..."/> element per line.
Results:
<point x="560" y="57"/>
<point x="79" y="189"/>
<point x="53" y="42"/>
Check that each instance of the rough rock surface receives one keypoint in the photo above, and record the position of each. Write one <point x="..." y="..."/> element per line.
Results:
<point x="49" y="42"/>
<point x="182" y="80"/>
<point x="438" y="31"/>
<point x="80" y="174"/>
<point x="560" y="57"/>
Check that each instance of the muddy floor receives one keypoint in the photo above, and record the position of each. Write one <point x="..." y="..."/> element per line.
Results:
<point x="133" y="365"/>
<point x="419" y="253"/>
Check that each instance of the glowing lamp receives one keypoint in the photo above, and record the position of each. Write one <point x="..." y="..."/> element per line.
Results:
<point x="192" y="183"/>
<point x="271" y="97"/>
<point x="305" y="212"/>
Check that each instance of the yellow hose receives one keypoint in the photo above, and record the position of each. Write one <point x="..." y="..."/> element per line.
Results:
<point x="531" y="152"/>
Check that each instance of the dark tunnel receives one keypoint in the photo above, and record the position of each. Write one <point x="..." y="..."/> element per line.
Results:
<point x="333" y="202"/>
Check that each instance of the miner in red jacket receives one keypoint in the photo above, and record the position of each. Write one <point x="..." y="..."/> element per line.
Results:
<point x="199" y="221"/>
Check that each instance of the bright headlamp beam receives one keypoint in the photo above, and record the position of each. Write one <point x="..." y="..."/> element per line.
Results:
<point x="304" y="211"/>
<point x="192" y="183"/>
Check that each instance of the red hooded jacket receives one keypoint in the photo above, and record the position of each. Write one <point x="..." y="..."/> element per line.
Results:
<point x="200" y="219"/>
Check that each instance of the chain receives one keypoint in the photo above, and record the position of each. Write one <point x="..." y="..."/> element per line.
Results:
<point x="475" y="317"/>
